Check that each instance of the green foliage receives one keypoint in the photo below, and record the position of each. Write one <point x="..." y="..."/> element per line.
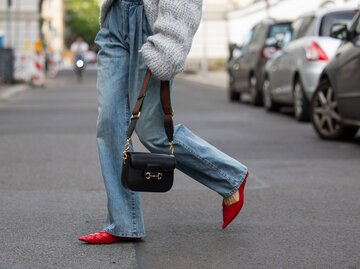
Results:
<point x="81" y="19"/>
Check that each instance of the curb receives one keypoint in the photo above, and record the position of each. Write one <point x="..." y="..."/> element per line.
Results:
<point x="12" y="91"/>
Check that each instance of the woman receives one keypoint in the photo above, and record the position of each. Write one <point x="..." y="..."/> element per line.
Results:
<point x="155" y="34"/>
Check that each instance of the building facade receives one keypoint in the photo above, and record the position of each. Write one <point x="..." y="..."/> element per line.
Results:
<point x="210" y="45"/>
<point x="20" y="26"/>
<point x="52" y="15"/>
<point x="241" y="20"/>
<point x="27" y="22"/>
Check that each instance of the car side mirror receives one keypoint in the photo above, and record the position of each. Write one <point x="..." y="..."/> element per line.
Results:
<point x="339" y="31"/>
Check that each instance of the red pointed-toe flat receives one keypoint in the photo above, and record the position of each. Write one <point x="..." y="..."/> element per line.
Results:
<point x="104" y="237"/>
<point x="231" y="211"/>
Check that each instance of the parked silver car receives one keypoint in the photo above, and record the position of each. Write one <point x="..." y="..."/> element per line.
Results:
<point x="335" y="107"/>
<point x="292" y="74"/>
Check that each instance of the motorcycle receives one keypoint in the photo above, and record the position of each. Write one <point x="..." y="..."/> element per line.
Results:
<point x="79" y="67"/>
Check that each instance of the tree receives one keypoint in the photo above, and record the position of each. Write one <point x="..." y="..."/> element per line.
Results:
<point x="81" y="19"/>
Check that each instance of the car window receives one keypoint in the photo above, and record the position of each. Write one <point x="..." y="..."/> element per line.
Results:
<point x="306" y="28"/>
<point x="279" y="32"/>
<point x="303" y="27"/>
<point x="259" y="34"/>
<point x="247" y="40"/>
<point x="279" y="29"/>
<point x="335" y="18"/>
<point x="357" y="29"/>
<point x="295" y="27"/>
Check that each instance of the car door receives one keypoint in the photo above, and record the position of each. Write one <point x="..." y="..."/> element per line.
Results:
<point x="348" y="76"/>
<point x="251" y="56"/>
<point x="238" y="68"/>
<point x="292" y="53"/>
<point x="274" y="69"/>
<point x="282" y="65"/>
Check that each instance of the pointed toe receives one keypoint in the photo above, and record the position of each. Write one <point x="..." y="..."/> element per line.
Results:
<point x="104" y="237"/>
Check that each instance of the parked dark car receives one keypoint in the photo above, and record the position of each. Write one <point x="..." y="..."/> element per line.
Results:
<point x="246" y="72"/>
<point x="335" y="107"/>
<point x="293" y="73"/>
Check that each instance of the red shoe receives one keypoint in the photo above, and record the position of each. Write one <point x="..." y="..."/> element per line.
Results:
<point x="231" y="211"/>
<point x="104" y="237"/>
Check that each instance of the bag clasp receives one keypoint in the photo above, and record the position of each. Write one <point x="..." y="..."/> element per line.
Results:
<point x="153" y="176"/>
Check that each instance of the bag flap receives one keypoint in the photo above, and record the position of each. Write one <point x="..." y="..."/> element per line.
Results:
<point x="152" y="161"/>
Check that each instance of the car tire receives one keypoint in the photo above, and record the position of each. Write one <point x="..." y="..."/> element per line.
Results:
<point x="269" y="104"/>
<point x="301" y="104"/>
<point x="233" y="95"/>
<point x="255" y="96"/>
<point x="325" y="117"/>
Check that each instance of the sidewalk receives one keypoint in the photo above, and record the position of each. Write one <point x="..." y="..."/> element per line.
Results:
<point x="217" y="79"/>
<point x="8" y="91"/>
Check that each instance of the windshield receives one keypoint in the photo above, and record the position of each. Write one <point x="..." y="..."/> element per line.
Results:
<point x="357" y="29"/>
<point x="278" y="33"/>
<point x="335" y="18"/>
<point x="279" y="30"/>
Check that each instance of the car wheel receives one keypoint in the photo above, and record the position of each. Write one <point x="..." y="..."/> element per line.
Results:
<point x="233" y="95"/>
<point x="269" y="104"/>
<point x="301" y="104"/>
<point x="254" y="93"/>
<point x="325" y="116"/>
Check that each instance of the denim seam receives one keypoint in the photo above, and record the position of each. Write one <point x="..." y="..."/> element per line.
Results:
<point x="221" y="172"/>
<point x="121" y="234"/>
<point x="111" y="229"/>
<point x="133" y="209"/>
<point x="127" y="113"/>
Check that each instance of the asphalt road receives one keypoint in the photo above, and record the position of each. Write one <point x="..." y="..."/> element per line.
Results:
<point x="302" y="207"/>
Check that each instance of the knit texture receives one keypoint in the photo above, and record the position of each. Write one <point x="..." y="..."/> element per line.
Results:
<point x="173" y="24"/>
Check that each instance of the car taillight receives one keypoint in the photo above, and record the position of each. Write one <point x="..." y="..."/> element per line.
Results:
<point x="267" y="52"/>
<point x="315" y="53"/>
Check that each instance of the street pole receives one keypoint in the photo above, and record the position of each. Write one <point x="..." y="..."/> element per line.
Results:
<point x="204" y="62"/>
<point x="204" y="59"/>
<point x="267" y="3"/>
<point x="17" y="25"/>
<point x="8" y="24"/>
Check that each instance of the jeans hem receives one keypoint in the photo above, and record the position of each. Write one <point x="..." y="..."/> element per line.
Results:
<point x="219" y="171"/>
<point x="207" y="162"/>
<point x="121" y="234"/>
<point x="235" y="189"/>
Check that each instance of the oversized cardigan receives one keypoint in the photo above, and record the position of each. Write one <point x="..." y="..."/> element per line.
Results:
<point x="173" y="24"/>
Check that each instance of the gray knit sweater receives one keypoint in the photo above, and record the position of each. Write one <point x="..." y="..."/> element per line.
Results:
<point x="174" y="24"/>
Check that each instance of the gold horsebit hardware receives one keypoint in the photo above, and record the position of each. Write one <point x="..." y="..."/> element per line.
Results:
<point x="152" y="176"/>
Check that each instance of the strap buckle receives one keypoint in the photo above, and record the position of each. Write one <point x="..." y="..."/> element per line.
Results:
<point x="171" y="148"/>
<point x="135" y="116"/>
<point x="126" y="149"/>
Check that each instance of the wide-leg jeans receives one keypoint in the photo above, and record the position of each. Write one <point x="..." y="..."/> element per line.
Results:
<point x="121" y="70"/>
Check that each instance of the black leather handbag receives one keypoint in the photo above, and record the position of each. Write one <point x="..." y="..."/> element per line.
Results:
<point x="150" y="172"/>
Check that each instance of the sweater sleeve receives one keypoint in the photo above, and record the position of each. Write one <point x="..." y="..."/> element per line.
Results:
<point x="166" y="50"/>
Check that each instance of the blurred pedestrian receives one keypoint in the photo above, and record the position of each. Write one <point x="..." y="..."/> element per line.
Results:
<point x="79" y="47"/>
<point x="157" y="34"/>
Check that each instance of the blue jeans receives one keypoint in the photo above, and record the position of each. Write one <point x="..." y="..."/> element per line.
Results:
<point x="121" y="70"/>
